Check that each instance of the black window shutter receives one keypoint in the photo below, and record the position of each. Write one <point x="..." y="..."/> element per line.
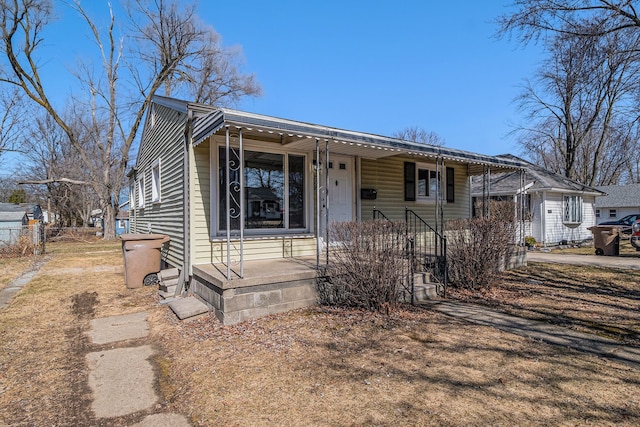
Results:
<point x="409" y="181"/>
<point x="451" y="197"/>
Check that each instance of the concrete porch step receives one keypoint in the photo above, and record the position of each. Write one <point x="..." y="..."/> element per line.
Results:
<point x="165" y="285"/>
<point x="169" y="273"/>
<point x="425" y="292"/>
<point x="169" y="292"/>
<point x="189" y="308"/>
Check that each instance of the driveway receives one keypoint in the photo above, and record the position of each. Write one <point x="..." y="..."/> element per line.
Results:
<point x="631" y="263"/>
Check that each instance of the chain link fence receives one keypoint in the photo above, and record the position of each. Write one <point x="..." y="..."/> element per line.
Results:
<point x="23" y="240"/>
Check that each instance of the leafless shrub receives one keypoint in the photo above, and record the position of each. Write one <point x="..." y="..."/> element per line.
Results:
<point x="366" y="265"/>
<point x="479" y="248"/>
<point x="21" y="247"/>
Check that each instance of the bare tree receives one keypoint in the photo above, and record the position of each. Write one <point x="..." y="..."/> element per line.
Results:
<point x="12" y="123"/>
<point x="164" y="44"/>
<point x="417" y="134"/>
<point x="581" y="103"/>
<point x="593" y="18"/>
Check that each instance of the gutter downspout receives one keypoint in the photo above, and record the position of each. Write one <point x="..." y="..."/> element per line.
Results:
<point x="188" y="138"/>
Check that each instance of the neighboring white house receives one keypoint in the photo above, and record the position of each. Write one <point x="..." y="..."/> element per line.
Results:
<point x="618" y="202"/>
<point x="557" y="209"/>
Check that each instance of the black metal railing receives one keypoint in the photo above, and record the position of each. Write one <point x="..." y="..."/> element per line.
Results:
<point x="429" y="250"/>
<point x="424" y="250"/>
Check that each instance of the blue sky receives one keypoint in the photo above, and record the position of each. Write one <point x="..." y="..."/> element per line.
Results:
<point x="374" y="67"/>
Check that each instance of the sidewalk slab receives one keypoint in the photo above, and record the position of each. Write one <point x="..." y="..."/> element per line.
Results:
<point x="551" y="334"/>
<point x="121" y="380"/>
<point x="118" y="328"/>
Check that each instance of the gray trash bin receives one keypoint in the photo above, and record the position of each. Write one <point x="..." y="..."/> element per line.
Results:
<point x="142" y="256"/>
<point x="606" y="239"/>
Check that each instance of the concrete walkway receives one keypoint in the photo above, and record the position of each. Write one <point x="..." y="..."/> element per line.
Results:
<point x="7" y="294"/>
<point x="122" y="379"/>
<point x="590" y="260"/>
<point x="542" y="331"/>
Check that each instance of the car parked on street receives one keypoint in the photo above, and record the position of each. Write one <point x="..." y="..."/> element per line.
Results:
<point x="625" y="222"/>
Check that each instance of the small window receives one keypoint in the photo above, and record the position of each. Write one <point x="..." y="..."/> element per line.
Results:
<point x="572" y="210"/>
<point x="155" y="182"/>
<point x="425" y="184"/>
<point x="613" y="213"/>
<point x="597" y="213"/>
<point x="141" y="192"/>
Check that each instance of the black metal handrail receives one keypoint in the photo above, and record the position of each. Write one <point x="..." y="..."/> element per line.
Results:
<point x="377" y="214"/>
<point x="429" y="248"/>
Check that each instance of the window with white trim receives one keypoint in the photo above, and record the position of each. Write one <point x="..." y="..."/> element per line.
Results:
<point x="275" y="193"/>
<point x="424" y="183"/>
<point x="572" y="210"/>
<point x="597" y="213"/>
<point x="613" y="213"/>
<point x="155" y="182"/>
<point x="141" y="192"/>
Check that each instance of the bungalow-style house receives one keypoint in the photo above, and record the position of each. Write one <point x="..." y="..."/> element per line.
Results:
<point x="557" y="210"/>
<point x="617" y="202"/>
<point x="246" y="199"/>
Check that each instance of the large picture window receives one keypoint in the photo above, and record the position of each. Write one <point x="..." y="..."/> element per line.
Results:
<point x="572" y="210"/>
<point x="274" y="190"/>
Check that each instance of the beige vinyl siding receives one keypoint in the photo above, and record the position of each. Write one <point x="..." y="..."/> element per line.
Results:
<point x="201" y="204"/>
<point x="163" y="139"/>
<point x="386" y="176"/>
<point x="264" y="248"/>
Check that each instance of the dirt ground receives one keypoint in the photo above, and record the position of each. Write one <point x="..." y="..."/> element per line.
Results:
<point x="324" y="366"/>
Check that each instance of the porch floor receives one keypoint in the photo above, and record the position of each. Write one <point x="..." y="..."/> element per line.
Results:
<point x="258" y="272"/>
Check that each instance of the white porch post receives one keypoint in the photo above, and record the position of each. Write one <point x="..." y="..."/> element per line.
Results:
<point x="326" y="197"/>
<point x="318" y="213"/>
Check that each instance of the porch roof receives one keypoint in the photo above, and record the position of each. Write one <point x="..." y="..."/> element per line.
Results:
<point x="209" y="120"/>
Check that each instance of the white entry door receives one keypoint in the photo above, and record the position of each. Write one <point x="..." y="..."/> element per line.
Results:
<point x="340" y="188"/>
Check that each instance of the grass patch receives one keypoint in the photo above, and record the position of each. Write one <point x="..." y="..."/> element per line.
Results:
<point x="321" y="366"/>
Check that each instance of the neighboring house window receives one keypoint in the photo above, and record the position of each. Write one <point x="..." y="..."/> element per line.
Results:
<point x="120" y="223"/>
<point x="572" y="209"/>
<point x="275" y="190"/>
<point x="613" y="213"/>
<point x="141" y="192"/>
<point x="155" y="182"/>
<point x="597" y="213"/>
<point x="424" y="183"/>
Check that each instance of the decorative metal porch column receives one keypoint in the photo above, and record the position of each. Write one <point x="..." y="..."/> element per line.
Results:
<point x="235" y="211"/>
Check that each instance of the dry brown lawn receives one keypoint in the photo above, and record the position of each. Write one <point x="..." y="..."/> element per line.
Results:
<point x="314" y="366"/>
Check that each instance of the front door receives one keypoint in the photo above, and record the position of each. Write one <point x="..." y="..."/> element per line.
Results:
<point x="340" y="188"/>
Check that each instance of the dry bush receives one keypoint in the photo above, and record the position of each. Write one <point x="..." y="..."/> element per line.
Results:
<point x="479" y="248"/>
<point x="23" y="246"/>
<point x="366" y="265"/>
